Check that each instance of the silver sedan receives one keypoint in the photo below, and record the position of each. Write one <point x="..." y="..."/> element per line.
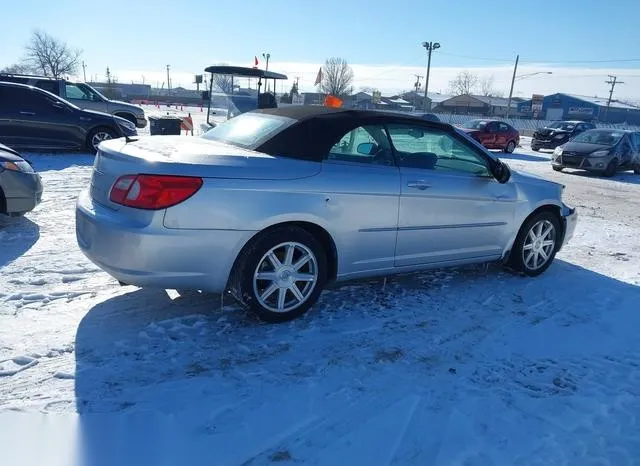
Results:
<point x="20" y="185"/>
<point x="273" y="204"/>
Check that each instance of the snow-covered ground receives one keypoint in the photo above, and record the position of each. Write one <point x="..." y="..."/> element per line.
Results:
<point x="470" y="366"/>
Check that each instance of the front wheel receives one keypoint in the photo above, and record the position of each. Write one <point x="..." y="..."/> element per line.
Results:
<point x="511" y="146"/>
<point x="612" y="169"/>
<point x="281" y="274"/>
<point x="536" y="244"/>
<point x="97" y="135"/>
<point x="556" y="168"/>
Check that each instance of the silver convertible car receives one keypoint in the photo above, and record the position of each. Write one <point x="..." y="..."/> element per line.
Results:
<point x="273" y="204"/>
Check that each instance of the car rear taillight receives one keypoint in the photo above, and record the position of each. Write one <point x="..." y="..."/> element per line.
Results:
<point x="153" y="192"/>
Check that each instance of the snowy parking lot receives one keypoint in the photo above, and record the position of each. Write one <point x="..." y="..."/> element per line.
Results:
<point x="469" y="366"/>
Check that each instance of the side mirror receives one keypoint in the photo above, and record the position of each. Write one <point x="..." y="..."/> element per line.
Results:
<point x="366" y="148"/>
<point x="501" y="171"/>
<point x="205" y="96"/>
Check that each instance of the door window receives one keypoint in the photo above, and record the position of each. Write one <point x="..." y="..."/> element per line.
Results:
<point x="503" y="128"/>
<point x="27" y="100"/>
<point x="432" y="149"/>
<point x="492" y="127"/>
<point x="365" y="144"/>
<point x="75" y="92"/>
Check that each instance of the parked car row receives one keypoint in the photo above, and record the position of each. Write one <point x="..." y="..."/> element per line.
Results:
<point x="32" y="118"/>
<point x="82" y="95"/>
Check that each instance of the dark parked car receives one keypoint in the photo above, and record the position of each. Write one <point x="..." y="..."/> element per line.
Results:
<point x="493" y="134"/>
<point x="557" y="133"/>
<point x="82" y="95"/>
<point x="20" y="185"/>
<point x="31" y="118"/>
<point x="605" y="151"/>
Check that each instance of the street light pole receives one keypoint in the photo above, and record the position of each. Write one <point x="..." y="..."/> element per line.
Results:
<point x="266" y="56"/>
<point x="513" y="80"/>
<point x="430" y="46"/>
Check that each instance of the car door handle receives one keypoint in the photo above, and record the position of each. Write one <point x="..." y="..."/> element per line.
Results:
<point x="28" y="113"/>
<point x="419" y="184"/>
<point x="501" y="197"/>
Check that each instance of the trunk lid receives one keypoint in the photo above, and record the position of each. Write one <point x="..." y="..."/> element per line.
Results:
<point x="187" y="156"/>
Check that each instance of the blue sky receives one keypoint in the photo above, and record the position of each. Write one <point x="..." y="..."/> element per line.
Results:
<point x="143" y="37"/>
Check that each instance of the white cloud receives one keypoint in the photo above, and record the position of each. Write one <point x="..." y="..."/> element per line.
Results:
<point x="390" y="78"/>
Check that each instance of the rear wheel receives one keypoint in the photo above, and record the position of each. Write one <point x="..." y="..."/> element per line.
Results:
<point x="612" y="168"/>
<point x="97" y="135"/>
<point x="536" y="244"/>
<point x="511" y="146"/>
<point x="281" y="274"/>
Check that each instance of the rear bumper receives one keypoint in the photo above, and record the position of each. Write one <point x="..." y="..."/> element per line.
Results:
<point x="149" y="255"/>
<point x="22" y="191"/>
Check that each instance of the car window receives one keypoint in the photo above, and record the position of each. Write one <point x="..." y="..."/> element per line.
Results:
<point x="75" y="92"/>
<point x="26" y="100"/>
<point x="365" y="144"/>
<point x="434" y="149"/>
<point x="503" y="128"/>
<point x="492" y="127"/>
<point x="48" y="85"/>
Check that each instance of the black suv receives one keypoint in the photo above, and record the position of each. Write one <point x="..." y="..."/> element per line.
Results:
<point x="31" y="118"/>
<point x="557" y="133"/>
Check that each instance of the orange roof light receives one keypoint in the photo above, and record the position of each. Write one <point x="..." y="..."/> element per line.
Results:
<point x="332" y="101"/>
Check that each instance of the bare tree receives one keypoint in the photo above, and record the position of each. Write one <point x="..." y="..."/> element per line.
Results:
<point x="463" y="83"/>
<point x="486" y="85"/>
<point x="337" y="77"/>
<point x="17" y="68"/>
<point x="50" y="56"/>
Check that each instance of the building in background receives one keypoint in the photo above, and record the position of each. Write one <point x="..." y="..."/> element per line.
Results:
<point x="475" y="105"/>
<point x="122" y="91"/>
<point x="562" y="106"/>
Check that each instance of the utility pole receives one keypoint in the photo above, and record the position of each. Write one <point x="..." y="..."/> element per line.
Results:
<point x="613" y="80"/>
<point x="430" y="46"/>
<point x="513" y="80"/>
<point x="417" y="86"/>
<point x="266" y="56"/>
<point x="84" y="71"/>
<point x="168" y="81"/>
<point x="108" y="75"/>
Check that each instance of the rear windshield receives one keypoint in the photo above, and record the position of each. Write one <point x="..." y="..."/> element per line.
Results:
<point x="248" y="130"/>
<point x="600" y="136"/>
<point x="475" y="124"/>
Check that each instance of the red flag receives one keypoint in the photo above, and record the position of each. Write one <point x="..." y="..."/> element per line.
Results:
<point x="318" y="77"/>
<point x="255" y="61"/>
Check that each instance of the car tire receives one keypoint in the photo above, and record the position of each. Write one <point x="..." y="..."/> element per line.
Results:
<point x="510" y="147"/>
<point x="532" y="244"/>
<point x="267" y="285"/>
<point x="558" y="169"/>
<point x="97" y="135"/>
<point x="636" y="169"/>
<point x="612" y="169"/>
<point x="535" y="148"/>
<point x="3" y="202"/>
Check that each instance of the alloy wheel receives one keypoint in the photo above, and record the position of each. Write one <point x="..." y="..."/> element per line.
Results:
<point x="539" y="245"/>
<point x="99" y="137"/>
<point x="285" y="277"/>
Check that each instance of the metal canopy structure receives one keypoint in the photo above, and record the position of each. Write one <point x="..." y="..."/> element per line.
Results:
<point x="239" y="104"/>
<point x="244" y="72"/>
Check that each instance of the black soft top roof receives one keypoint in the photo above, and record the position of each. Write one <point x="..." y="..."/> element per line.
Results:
<point x="317" y="129"/>
<point x="244" y="72"/>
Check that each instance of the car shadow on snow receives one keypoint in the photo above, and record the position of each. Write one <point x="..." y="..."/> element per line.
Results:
<point x="143" y="354"/>
<point x="17" y="236"/>
<point x="43" y="162"/>
<point x="524" y="157"/>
